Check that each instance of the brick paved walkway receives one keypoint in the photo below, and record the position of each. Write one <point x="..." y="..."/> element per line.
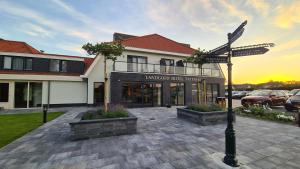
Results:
<point x="163" y="143"/>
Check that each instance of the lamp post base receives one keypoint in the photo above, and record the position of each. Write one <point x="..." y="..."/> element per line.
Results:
<point x="231" y="161"/>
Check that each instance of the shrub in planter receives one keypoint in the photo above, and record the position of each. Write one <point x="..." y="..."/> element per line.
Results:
<point x="116" y="121"/>
<point x="203" y="114"/>
<point x="114" y="111"/>
<point x="261" y="113"/>
<point x="205" y="107"/>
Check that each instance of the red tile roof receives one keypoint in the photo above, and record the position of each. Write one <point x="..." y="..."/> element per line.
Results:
<point x="88" y="62"/>
<point x="157" y="42"/>
<point x="17" y="47"/>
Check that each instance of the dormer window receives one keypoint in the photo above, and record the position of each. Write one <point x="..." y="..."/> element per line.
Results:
<point x="64" y="66"/>
<point x="28" y="64"/>
<point x="54" y="65"/>
<point x="7" y="62"/>
<point x="18" y="63"/>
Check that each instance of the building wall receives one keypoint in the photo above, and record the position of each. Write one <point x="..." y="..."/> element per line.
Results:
<point x="61" y="93"/>
<point x="67" y="92"/>
<point x="96" y="74"/>
<point x="117" y="79"/>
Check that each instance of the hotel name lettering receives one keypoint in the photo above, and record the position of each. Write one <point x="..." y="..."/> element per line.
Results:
<point x="172" y="78"/>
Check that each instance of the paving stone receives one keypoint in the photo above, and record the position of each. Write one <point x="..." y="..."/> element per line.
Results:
<point x="163" y="143"/>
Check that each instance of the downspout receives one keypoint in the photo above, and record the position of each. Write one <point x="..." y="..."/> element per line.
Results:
<point x="48" y="100"/>
<point x="87" y="91"/>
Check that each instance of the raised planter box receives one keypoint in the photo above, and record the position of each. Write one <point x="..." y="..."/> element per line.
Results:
<point x="85" y="129"/>
<point x="202" y="118"/>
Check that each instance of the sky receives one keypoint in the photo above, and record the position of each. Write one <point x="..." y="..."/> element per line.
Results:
<point x="58" y="26"/>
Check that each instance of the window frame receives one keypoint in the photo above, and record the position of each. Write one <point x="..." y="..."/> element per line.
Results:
<point x="61" y="66"/>
<point x="26" y="64"/>
<point x="10" y="63"/>
<point x="136" y="57"/>
<point x="51" y="60"/>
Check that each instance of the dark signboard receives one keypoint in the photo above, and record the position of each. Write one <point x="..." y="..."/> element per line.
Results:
<point x="250" y="51"/>
<point x="237" y="35"/>
<point x="219" y="50"/>
<point x="216" y="59"/>
<point x="171" y="78"/>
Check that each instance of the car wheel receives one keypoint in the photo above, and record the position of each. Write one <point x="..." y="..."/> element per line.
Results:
<point x="288" y="109"/>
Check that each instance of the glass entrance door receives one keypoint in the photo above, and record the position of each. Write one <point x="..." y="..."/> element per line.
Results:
<point x="35" y="94"/>
<point x="98" y="93"/>
<point x="28" y="94"/>
<point x="141" y="94"/>
<point x="21" y="92"/>
<point x="148" y="94"/>
<point x="177" y="93"/>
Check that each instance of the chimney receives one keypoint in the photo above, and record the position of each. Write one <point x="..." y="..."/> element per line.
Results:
<point x="121" y="36"/>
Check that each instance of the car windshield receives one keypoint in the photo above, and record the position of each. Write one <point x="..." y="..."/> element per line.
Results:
<point x="260" y="93"/>
<point x="298" y="93"/>
<point x="292" y="92"/>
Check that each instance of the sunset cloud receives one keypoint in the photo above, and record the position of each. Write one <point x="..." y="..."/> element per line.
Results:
<point x="59" y="26"/>
<point x="288" y="15"/>
<point x="261" y="6"/>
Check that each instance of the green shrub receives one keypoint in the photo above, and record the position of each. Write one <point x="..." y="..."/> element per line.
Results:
<point x="261" y="113"/>
<point x="114" y="111"/>
<point x="204" y="107"/>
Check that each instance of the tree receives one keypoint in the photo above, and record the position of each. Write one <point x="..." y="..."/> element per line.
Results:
<point x="110" y="50"/>
<point x="198" y="58"/>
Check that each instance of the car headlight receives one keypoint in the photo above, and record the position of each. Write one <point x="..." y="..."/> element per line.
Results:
<point x="289" y="101"/>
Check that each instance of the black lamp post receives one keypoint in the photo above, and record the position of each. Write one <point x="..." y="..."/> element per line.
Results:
<point x="45" y="110"/>
<point x="230" y="146"/>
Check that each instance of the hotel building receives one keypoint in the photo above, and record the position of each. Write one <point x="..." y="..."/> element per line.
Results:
<point x="150" y="72"/>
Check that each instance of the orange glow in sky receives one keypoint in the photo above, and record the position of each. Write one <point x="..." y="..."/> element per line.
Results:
<point x="64" y="26"/>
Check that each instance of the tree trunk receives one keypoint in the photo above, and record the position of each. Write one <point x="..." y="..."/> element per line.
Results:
<point x="105" y="86"/>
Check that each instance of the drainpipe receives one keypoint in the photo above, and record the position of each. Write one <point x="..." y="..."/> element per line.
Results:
<point x="87" y="91"/>
<point x="48" y="100"/>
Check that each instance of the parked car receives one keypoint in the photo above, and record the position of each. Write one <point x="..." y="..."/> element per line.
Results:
<point x="265" y="97"/>
<point x="239" y="94"/>
<point x="293" y="103"/>
<point x="293" y="92"/>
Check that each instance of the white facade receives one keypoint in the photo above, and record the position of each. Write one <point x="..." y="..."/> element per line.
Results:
<point x="74" y="89"/>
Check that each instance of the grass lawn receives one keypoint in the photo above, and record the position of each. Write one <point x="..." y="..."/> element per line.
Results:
<point x="13" y="126"/>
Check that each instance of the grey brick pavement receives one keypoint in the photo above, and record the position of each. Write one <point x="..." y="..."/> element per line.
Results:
<point x="163" y="143"/>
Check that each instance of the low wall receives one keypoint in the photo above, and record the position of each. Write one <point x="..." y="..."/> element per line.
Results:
<point x="85" y="129"/>
<point x="202" y="118"/>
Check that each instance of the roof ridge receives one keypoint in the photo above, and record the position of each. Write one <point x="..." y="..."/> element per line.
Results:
<point x="174" y="41"/>
<point x="31" y="48"/>
<point x="160" y="36"/>
<point x="137" y="37"/>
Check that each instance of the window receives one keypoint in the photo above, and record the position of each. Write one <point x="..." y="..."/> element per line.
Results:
<point x="54" y="65"/>
<point x="64" y="66"/>
<point x="98" y="93"/>
<point x="4" y="92"/>
<point x="177" y="93"/>
<point x="167" y="66"/>
<point x="212" y="92"/>
<point x="7" y="62"/>
<point x="141" y="94"/>
<point x="18" y="63"/>
<point x="28" y="64"/>
<point x="136" y="64"/>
